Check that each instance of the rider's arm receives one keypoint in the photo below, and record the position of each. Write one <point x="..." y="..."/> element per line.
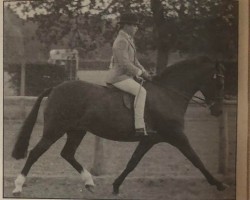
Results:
<point x="138" y="64"/>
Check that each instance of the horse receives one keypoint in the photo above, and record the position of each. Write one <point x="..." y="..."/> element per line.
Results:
<point x="75" y="107"/>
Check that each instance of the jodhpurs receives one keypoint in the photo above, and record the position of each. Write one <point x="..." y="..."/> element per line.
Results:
<point x="132" y="87"/>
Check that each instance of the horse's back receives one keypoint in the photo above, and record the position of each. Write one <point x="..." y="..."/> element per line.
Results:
<point x="77" y="96"/>
<point x="77" y="90"/>
<point x="76" y="86"/>
<point x="72" y="95"/>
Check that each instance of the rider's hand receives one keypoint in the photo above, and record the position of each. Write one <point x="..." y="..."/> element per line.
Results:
<point x="146" y="76"/>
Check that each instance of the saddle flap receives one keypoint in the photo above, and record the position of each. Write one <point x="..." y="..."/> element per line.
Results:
<point x="128" y="101"/>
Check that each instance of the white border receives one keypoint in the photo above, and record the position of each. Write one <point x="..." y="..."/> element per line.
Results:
<point x="242" y="180"/>
<point x="242" y="121"/>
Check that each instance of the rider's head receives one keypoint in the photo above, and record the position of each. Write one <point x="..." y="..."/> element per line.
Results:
<point x="129" y="23"/>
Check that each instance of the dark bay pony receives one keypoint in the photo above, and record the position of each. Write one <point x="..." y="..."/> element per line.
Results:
<point x="77" y="107"/>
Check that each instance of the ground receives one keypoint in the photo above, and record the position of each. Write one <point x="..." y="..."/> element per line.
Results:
<point x="133" y="188"/>
<point x="164" y="173"/>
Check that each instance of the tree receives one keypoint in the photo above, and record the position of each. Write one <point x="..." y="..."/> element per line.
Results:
<point x="188" y="26"/>
<point x="195" y="26"/>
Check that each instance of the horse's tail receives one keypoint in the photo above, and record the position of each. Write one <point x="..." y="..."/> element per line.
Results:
<point x="22" y="143"/>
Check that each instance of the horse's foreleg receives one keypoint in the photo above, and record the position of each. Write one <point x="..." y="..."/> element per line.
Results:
<point x="74" y="139"/>
<point x="181" y="142"/>
<point x="140" y="151"/>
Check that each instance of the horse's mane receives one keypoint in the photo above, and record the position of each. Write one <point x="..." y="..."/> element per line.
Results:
<point x="184" y="66"/>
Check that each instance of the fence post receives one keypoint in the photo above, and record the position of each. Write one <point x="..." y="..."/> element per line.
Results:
<point x="98" y="164"/>
<point x="223" y="142"/>
<point x="22" y="87"/>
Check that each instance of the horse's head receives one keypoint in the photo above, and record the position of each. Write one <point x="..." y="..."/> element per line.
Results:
<point x="213" y="89"/>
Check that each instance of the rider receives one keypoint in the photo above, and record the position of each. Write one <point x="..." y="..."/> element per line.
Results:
<point x="125" y="67"/>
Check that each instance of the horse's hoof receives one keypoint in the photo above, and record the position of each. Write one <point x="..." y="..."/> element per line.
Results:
<point x="90" y="188"/>
<point x="117" y="195"/>
<point x="16" y="194"/>
<point x="115" y="191"/>
<point x="222" y="187"/>
<point x="25" y="185"/>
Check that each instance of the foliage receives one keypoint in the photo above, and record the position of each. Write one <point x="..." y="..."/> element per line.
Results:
<point x="20" y="42"/>
<point x="200" y="22"/>
<point x="187" y="26"/>
<point x="191" y="26"/>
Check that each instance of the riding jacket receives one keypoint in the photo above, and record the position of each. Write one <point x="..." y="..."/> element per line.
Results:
<point x="124" y="63"/>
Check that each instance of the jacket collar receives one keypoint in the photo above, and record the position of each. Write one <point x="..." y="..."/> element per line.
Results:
<point x="128" y="37"/>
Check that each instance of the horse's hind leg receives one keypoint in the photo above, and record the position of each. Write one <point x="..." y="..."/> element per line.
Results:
<point x="180" y="141"/>
<point x="140" y="151"/>
<point x="50" y="136"/>
<point x="74" y="139"/>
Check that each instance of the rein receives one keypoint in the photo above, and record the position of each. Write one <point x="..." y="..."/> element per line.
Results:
<point x="187" y="97"/>
<point x="203" y="104"/>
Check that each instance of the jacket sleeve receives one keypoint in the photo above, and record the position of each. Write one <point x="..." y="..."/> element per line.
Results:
<point x="120" y="51"/>
<point x="138" y="64"/>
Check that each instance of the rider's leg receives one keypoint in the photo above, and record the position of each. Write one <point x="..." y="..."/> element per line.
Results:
<point x="132" y="87"/>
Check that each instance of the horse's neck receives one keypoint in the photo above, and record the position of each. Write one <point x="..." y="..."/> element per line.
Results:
<point x="184" y="86"/>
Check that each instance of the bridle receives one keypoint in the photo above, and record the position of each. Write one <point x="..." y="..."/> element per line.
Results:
<point x="213" y="102"/>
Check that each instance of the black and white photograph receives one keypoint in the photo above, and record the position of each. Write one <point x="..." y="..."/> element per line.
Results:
<point x="121" y="99"/>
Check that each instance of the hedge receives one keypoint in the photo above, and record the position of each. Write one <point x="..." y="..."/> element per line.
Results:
<point x="37" y="77"/>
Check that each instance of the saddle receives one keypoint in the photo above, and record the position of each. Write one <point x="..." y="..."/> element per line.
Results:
<point x="128" y="102"/>
<point x="128" y="99"/>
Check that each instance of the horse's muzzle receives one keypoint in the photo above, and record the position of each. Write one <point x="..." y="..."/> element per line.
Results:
<point x="216" y="110"/>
